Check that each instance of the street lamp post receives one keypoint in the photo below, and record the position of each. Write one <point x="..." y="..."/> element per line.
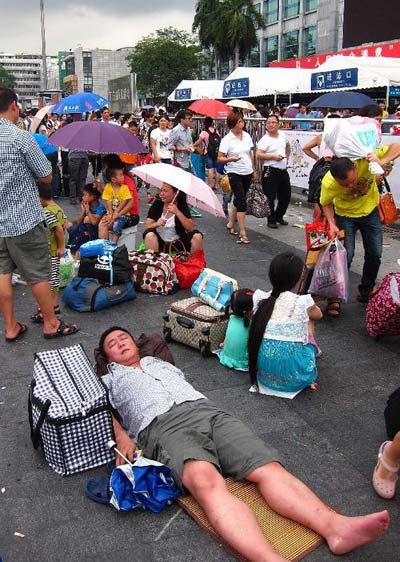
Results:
<point x="44" y="58"/>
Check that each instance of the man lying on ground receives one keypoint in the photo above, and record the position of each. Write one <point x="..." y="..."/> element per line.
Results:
<point x="175" y="424"/>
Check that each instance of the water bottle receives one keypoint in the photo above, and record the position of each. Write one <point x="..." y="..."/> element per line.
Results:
<point x="300" y="218"/>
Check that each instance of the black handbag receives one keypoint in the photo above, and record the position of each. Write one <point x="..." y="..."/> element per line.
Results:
<point x="113" y="268"/>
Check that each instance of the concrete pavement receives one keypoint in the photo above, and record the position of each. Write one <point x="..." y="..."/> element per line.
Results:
<point x="329" y="438"/>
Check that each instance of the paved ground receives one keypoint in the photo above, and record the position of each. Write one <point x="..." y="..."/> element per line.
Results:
<point x="329" y="438"/>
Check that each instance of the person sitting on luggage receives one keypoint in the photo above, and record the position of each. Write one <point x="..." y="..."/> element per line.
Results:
<point x="234" y="350"/>
<point x="175" y="424"/>
<point x="282" y="348"/>
<point x="86" y="226"/>
<point x="118" y="201"/>
<point x="169" y="220"/>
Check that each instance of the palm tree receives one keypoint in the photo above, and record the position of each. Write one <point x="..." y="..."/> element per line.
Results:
<point x="228" y="28"/>
<point x="239" y="23"/>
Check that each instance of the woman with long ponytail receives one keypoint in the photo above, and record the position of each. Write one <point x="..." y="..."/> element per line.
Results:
<point x="282" y="349"/>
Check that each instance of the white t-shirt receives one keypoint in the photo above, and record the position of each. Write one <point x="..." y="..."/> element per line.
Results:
<point x="232" y="146"/>
<point x="274" y="145"/>
<point x="162" y="138"/>
<point x="289" y="320"/>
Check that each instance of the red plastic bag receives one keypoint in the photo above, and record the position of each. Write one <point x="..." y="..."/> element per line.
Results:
<point x="188" y="267"/>
<point x="317" y="232"/>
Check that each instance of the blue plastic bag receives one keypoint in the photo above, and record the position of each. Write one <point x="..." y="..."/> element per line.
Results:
<point x="145" y="484"/>
<point x="97" y="247"/>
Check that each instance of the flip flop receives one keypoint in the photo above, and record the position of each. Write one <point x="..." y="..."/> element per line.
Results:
<point x="62" y="330"/>
<point x="98" y="490"/>
<point x="21" y="331"/>
<point x="386" y="489"/>
<point x="231" y="230"/>
<point x="243" y="240"/>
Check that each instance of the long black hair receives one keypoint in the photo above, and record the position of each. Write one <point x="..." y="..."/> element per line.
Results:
<point x="284" y="272"/>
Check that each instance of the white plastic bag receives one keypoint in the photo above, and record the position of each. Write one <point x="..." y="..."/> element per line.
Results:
<point x="67" y="269"/>
<point x="331" y="275"/>
<point x="355" y="138"/>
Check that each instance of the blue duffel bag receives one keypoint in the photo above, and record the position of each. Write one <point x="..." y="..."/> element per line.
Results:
<point x="85" y="294"/>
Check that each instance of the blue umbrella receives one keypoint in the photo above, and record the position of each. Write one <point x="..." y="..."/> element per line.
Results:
<point x="342" y="100"/>
<point x="79" y="103"/>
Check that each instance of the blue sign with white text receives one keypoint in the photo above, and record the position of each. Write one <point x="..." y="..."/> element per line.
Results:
<point x="183" y="94"/>
<point x="236" y="88"/>
<point x="394" y="91"/>
<point x="345" y="78"/>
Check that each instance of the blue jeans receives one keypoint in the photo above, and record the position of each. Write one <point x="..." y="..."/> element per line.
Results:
<point x="119" y="224"/>
<point x="370" y="228"/>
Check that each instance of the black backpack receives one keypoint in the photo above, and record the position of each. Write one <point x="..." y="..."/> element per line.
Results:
<point x="213" y="144"/>
<point x="317" y="173"/>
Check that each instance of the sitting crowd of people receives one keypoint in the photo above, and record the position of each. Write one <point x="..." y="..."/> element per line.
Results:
<point x="270" y="334"/>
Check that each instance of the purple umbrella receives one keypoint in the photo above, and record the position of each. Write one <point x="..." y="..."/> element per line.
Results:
<point x="99" y="137"/>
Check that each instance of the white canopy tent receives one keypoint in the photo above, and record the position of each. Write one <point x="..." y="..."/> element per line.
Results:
<point x="262" y="81"/>
<point x="371" y="72"/>
<point x="191" y="90"/>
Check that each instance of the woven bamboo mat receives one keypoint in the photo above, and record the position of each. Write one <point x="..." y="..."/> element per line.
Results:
<point x="291" y="540"/>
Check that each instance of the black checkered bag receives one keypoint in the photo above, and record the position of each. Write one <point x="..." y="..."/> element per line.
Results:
<point x="69" y="411"/>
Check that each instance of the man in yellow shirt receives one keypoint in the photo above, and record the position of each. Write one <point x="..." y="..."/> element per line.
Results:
<point x="349" y="194"/>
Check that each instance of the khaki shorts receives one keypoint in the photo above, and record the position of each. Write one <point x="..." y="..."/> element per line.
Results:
<point x="29" y="253"/>
<point x="200" y="431"/>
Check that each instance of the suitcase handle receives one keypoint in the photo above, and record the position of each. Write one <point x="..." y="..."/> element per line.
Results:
<point x="185" y="322"/>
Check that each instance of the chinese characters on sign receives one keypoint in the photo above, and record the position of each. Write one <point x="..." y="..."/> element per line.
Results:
<point x="183" y="94"/>
<point x="236" y="88"/>
<point x="121" y="94"/>
<point x="334" y="79"/>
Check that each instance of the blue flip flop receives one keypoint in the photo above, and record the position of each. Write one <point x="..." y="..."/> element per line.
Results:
<point x="98" y="490"/>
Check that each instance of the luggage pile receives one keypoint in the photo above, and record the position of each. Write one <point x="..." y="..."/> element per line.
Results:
<point x="201" y="321"/>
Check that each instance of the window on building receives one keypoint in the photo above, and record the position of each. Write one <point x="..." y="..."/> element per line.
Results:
<point x="309" y="41"/>
<point x="254" y="57"/>
<point x="271" y="11"/>
<point x="290" y="45"/>
<point x="310" y="5"/>
<point x="271" y="49"/>
<point x="291" y="8"/>
<point x="87" y="62"/>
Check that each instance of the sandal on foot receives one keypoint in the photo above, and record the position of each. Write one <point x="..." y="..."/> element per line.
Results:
<point x="22" y="328"/>
<point x="243" y="240"/>
<point x="62" y="330"/>
<point x="386" y="489"/>
<point x="231" y="230"/>
<point x="333" y="309"/>
<point x="98" y="490"/>
<point x="37" y="318"/>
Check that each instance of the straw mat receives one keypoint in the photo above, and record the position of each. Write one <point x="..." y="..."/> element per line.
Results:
<point x="291" y="540"/>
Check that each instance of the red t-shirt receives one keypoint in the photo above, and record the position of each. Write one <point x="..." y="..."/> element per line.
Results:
<point x="132" y="188"/>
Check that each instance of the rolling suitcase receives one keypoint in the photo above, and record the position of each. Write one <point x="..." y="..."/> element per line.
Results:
<point x="195" y="324"/>
<point x="383" y="309"/>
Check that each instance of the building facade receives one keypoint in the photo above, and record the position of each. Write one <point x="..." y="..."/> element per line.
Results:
<point x="27" y="71"/>
<point x="297" y="28"/>
<point x="88" y="70"/>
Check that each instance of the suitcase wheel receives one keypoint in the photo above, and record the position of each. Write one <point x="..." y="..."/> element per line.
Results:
<point x="167" y="334"/>
<point x="205" y="349"/>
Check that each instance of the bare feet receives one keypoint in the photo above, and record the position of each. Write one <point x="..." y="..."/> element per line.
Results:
<point x="314" y="386"/>
<point x="349" y="533"/>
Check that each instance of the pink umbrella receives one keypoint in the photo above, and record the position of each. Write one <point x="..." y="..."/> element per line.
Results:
<point x="199" y="194"/>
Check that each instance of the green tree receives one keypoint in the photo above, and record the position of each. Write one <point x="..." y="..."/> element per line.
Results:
<point x="228" y="27"/>
<point x="164" y="58"/>
<point x="7" y="80"/>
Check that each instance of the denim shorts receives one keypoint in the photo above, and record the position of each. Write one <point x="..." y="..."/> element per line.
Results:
<point x="209" y="162"/>
<point x="119" y="225"/>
